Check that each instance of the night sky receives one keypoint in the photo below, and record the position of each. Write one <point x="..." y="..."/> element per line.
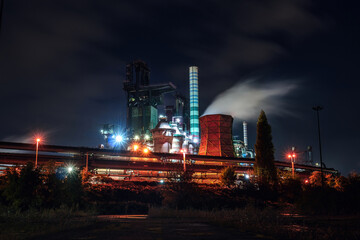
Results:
<point x="62" y="64"/>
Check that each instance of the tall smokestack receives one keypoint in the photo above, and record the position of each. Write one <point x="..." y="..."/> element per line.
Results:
<point x="245" y="134"/>
<point x="194" y="104"/>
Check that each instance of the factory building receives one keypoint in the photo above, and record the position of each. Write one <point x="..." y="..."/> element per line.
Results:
<point x="179" y="128"/>
<point x="169" y="134"/>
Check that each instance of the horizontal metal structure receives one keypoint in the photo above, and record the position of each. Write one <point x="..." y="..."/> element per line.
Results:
<point x="21" y="153"/>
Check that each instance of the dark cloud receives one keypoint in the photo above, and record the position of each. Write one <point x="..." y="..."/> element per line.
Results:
<point x="292" y="18"/>
<point x="62" y="62"/>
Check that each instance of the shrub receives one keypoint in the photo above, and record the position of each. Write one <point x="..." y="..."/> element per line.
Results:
<point x="228" y="177"/>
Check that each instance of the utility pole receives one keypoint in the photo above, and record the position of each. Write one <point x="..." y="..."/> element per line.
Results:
<point x="1" y="13"/>
<point x="292" y="157"/>
<point x="317" y="109"/>
<point x="293" y="161"/>
<point x="37" y="151"/>
<point x="87" y="162"/>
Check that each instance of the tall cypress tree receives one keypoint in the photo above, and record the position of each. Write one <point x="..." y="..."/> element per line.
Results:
<point x="264" y="150"/>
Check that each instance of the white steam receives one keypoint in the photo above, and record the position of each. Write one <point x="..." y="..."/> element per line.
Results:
<point x="245" y="100"/>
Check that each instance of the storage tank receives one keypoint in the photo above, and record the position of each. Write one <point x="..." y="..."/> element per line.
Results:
<point x="216" y="135"/>
<point x="162" y="136"/>
<point x="177" y="143"/>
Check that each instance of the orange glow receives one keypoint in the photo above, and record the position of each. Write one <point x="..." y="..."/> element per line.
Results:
<point x="38" y="137"/>
<point x="289" y="156"/>
<point x="146" y="150"/>
<point x="294" y="155"/>
<point x="183" y="150"/>
<point x="306" y="181"/>
<point x="136" y="147"/>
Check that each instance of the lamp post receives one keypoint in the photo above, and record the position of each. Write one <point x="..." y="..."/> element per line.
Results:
<point x="292" y="157"/>
<point x="37" y="150"/>
<point x="184" y="158"/>
<point x="87" y="163"/>
<point x="317" y="109"/>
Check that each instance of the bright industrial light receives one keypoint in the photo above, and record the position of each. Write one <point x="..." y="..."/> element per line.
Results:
<point x="118" y="138"/>
<point x="289" y="156"/>
<point x="183" y="150"/>
<point x="146" y="150"/>
<point x="136" y="137"/>
<point x="294" y="155"/>
<point x="161" y="181"/>
<point x="247" y="176"/>
<point x="196" y="140"/>
<point x="38" y="140"/>
<point x="70" y="169"/>
<point x="147" y="137"/>
<point x="136" y="147"/>
<point x="177" y="120"/>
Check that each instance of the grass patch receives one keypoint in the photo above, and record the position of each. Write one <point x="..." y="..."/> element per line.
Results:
<point x="30" y="224"/>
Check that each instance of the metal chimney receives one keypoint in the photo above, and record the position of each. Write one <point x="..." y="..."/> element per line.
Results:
<point x="194" y="103"/>
<point x="245" y="134"/>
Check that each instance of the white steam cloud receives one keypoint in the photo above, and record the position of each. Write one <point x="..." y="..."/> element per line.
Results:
<point x="245" y="100"/>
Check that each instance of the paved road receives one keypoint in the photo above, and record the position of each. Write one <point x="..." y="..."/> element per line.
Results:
<point x="126" y="227"/>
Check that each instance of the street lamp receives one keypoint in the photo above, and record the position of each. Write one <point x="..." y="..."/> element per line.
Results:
<point x="184" y="158"/>
<point x="135" y="147"/>
<point x="317" y="109"/>
<point x="37" y="150"/>
<point x="118" y="138"/>
<point x="292" y="158"/>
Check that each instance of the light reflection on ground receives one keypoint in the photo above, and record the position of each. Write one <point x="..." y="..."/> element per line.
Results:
<point x="115" y="217"/>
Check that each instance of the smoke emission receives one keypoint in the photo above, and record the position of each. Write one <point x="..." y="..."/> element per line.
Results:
<point x="245" y="100"/>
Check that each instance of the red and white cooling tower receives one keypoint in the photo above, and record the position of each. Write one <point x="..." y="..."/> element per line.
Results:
<point x="216" y="135"/>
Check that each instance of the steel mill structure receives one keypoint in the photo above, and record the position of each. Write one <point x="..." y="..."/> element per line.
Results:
<point x="142" y="98"/>
<point x="155" y="147"/>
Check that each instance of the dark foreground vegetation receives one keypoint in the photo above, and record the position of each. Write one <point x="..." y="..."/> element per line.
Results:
<point x="43" y="201"/>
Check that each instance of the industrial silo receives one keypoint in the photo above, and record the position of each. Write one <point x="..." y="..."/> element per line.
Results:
<point x="163" y="137"/>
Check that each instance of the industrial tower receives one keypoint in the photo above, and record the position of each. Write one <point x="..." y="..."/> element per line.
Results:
<point x="142" y="98"/>
<point x="194" y="104"/>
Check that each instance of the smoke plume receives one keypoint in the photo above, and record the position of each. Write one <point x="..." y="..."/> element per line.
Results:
<point x="245" y="100"/>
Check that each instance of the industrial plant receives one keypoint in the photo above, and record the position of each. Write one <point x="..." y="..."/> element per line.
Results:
<point x="158" y="147"/>
<point x="179" y="128"/>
